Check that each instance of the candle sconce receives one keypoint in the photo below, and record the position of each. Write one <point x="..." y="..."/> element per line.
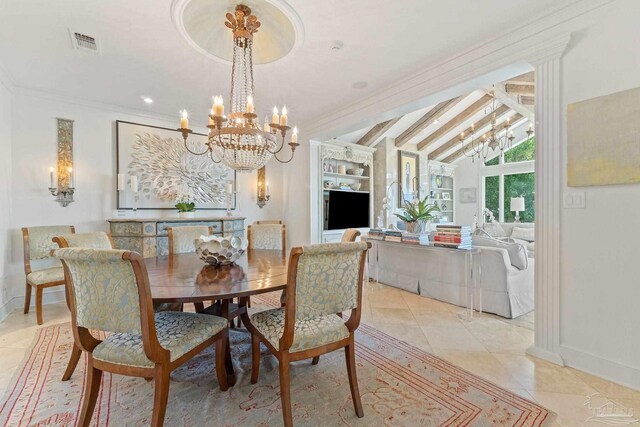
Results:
<point x="263" y="195"/>
<point x="64" y="189"/>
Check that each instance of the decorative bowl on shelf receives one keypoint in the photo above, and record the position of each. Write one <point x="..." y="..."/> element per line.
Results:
<point x="356" y="186"/>
<point x="221" y="250"/>
<point x="357" y="172"/>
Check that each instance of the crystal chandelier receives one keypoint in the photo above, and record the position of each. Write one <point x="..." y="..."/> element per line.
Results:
<point x="238" y="141"/>
<point x="499" y="136"/>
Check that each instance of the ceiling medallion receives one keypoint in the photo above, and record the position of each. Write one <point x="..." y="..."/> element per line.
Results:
<point x="239" y="141"/>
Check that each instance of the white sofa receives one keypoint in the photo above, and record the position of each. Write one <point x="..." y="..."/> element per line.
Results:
<point x="508" y="229"/>
<point x="439" y="274"/>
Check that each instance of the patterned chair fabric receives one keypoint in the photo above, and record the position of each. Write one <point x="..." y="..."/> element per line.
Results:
<point x="47" y="275"/>
<point x="309" y="333"/>
<point x="95" y="240"/>
<point x="327" y="280"/>
<point x="184" y="237"/>
<point x="40" y="239"/>
<point x="350" y="235"/>
<point x="266" y="236"/>
<point x="105" y="289"/>
<point x="177" y="332"/>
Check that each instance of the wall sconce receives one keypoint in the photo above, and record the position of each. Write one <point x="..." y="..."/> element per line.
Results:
<point x="263" y="188"/>
<point x="65" y="188"/>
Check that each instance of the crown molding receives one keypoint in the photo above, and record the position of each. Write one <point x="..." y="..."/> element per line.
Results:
<point x="540" y="39"/>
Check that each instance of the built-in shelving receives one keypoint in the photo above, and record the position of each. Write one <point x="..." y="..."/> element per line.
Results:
<point x="347" y="176"/>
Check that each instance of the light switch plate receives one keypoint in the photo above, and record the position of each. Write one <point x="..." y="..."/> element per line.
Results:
<point x="574" y="200"/>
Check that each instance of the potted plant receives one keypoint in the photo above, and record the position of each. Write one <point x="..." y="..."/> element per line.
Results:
<point x="186" y="208"/>
<point x="415" y="214"/>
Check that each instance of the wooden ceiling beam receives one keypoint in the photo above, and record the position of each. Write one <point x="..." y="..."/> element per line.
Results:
<point x="511" y="101"/>
<point x="456" y="155"/>
<point x="377" y="131"/>
<point x="518" y="89"/>
<point x="486" y="120"/>
<point x="469" y="112"/>
<point x="526" y="78"/>
<point x="432" y="115"/>
<point x="527" y="100"/>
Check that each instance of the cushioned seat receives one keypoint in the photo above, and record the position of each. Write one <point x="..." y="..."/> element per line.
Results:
<point x="177" y="332"/>
<point x="47" y="275"/>
<point x="308" y="333"/>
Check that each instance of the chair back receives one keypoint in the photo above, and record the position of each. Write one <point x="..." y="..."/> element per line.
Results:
<point x="267" y="236"/>
<point x="93" y="240"/>
<point x="350" y="235"/>
<point x="268" y="221"/>
<point x="328" y="278"/>
<point x="38" y="242"/>
<point x="103" y="289"/>
<point x="182" y="239"/>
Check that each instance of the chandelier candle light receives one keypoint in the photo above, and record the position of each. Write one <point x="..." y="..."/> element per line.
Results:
<point x="239" y="141"/>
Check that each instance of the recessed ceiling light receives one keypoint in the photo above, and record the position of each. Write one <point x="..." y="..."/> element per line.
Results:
<point x="359" y="85"/>
<point x="435" y="122"/>
<point x="147" y="100"/>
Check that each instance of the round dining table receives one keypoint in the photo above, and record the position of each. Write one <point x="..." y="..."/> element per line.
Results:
<point x="185" y="278"/>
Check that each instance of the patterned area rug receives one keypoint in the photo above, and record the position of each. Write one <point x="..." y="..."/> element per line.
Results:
<point x="400" y="386"/>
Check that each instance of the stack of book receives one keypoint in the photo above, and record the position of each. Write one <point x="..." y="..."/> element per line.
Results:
<point x="411" y="238"/>
<point x="453" y="236"/>
<point x="376" y="234"/>
<point x="392" y="236"/>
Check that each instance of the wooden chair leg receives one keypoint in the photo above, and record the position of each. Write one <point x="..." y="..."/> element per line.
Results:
<point x="73" y="362"/>
<point x="92" y="387"/>
<point x="39" y="305"/>
<point x="162" y="378"/>
<point x="285" y="390"/>
<point x="350" y="356"/>
<point x="221" y="370"/>
<point x="255" y="358"/>
<point x="231" y="376"/>
<point x="27" y="298"/>
<point x="199" y="307"/>
<point x="315" y="360"/>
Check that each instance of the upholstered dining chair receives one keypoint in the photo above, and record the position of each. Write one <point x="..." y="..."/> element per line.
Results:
<point x="38" y="244"/>
<point x="322" y="280"/>
<point x="109" y="293"/>
<point x="182" y="239"/>
<point x="350" y="235"/>
<point x="267" y="235"/>
<point x="93" y="240"/>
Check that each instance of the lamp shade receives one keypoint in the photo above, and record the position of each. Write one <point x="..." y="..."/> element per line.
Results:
<point x="517" y="204"/>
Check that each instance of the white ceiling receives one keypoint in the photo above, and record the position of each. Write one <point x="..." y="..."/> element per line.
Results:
<point x="142" y="53"/>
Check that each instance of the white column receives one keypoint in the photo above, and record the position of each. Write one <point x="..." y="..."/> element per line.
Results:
<point x="548" y="133"/>
<point x="315" y="191"/>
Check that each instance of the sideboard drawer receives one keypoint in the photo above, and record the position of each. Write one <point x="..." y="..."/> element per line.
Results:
<point x="234" y="225"/>
<point x="162" y="226"/>
<point x="126" y="229"/>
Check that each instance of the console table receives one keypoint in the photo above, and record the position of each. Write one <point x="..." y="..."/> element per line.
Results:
<point x="446" y="274"/>
<point x="148" y="236"/>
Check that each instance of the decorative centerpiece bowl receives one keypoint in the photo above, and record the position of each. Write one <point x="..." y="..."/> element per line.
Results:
<point x="221" y="250"/>
<point x="356" y="186"/>
<point x="357" y="172"/>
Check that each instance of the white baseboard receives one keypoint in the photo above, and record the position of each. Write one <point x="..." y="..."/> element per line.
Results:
<point x="619" y="373"/>
<point x="17" y="303"/>
<point x="547" y="355"/>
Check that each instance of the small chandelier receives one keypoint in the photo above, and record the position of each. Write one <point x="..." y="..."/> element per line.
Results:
<point x="478" y="147"/>
<point x="239" y="141"/>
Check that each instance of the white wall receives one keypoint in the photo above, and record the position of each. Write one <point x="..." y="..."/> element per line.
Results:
<point x="600" y="280"/>
<point x="468" y="176"/>
<point x="34" y="151"/>
<point x="5" y="194"/>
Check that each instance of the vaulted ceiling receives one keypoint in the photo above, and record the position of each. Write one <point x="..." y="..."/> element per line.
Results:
<point x="435" y="130"/>
<point x="142" y="53"/>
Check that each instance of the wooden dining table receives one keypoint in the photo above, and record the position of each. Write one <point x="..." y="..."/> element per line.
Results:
<point x="185" y="278"/>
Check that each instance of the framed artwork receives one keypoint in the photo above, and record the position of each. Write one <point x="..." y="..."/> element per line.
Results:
<point x="446" y="196"/>
<point x="408" y="176"/>
<point x="157" y="159"/>
<point x="468" y="195"/>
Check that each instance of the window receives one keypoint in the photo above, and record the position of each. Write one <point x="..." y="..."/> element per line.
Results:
<point x="492" y="194"/>
<point x="523" y="152"/>
<point x="516" y="185"/>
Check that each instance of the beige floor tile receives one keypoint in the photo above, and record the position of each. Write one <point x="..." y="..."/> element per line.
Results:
<point x="538" y="375"/>
<point x="452" y="339"/>
<point x="482" y="364"/>
<point x="10" y="358"/>
<point x="394" y="315"/>
<point x="420" y="304"/>
<point x="409" y="334"/>
<point x="17" y="337"/>
<point x="444" y="319"/>
<point x="607" y="388"/>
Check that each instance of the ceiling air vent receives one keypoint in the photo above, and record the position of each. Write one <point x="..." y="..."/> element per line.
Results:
<point x="83" y="42"/>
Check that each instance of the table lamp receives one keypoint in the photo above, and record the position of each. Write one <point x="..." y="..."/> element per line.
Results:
<point x="517" y="206"/>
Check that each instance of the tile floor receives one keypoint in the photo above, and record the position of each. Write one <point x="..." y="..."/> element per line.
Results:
<point x="488" y="346"/>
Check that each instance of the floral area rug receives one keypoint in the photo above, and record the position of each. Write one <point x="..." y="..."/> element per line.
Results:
<point x="400" y="385"/>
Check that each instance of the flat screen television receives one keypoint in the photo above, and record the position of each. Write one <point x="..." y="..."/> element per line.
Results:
<point x="346" y="209"/>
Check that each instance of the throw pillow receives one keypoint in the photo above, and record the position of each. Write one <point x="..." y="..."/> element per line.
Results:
<point x="518" y="256"/>
<point x="528" y="234"/>
<point x="494" y="229"/>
